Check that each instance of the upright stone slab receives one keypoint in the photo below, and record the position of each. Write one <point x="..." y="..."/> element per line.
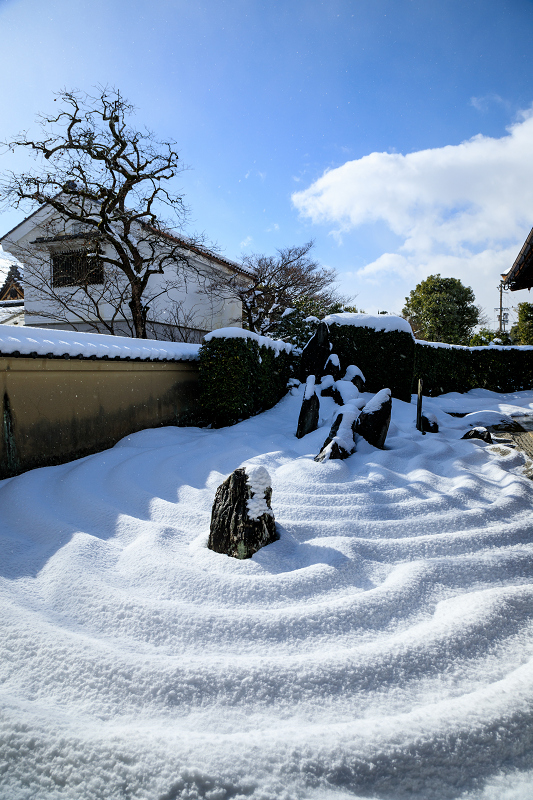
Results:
<point x="374" y="419"/>
<point x="309" y="412"/>
<point x="340" y="442"/>
<point x="355" y="375"/>
<point x="242" y="520"/>
<point x="333" y="367"/>
<point x="315" y="353"/>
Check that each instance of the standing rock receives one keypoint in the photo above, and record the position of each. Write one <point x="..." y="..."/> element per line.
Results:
<point x="355" y="375"/>
<point x="315" y="353"/>
<point x="242" y="520"/>
<point x="328" y="388"/>
<point x="340" y="442"/>
<point x="374" y="420"/>
<point x="429" y="423"/>
<point x="333" y="367"/>
<point x="308" y="419"/>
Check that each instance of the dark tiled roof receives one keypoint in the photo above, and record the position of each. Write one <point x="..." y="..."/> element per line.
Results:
<point x="520" y="276"/>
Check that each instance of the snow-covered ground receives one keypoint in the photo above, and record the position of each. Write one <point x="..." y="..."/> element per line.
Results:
<point x="382" y="648"/>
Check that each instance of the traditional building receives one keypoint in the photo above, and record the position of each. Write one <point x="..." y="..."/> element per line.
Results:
<point x="520" y="276"/>
<point x="12" y="286"/>
<point x="69" y="284"/>
<point x="12" y="298"/>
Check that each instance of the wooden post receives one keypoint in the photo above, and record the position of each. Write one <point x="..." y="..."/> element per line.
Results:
<point x="419" y="407"/>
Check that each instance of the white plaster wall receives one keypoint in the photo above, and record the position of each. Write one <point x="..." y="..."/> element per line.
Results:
<point x="203" y="311"/>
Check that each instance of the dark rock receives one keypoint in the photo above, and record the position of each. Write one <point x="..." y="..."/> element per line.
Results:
<point x="308" y="419"/>
<point x="329" y="389"/>
<point x="315" y="353"/>
<point x="333" y="367"/>
<point x="478" y="433"/>
<point x="242" y="520"/>
<point x="355" y="375"/>
<point x="340" y="441"/>
<point x="332" y="451"/>
<point x="374" y="420"/>
<point x="429" y="425"/>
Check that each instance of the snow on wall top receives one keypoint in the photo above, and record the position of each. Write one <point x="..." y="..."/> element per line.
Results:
<point x="380" y="322"/>
<point x="45" y="342"/>
<point x="241" y="333"/>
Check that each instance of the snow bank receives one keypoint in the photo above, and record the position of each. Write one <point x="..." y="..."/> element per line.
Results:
<point x="381" y="648"/>
<point x="381" y="322"/>
<point x="45" y="342"/>
<point x="241" y="333"/>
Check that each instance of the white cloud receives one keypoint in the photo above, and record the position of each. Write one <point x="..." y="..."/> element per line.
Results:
<point x="246" y="242"/>
<point x="461" y="210"/>
<point x="484" y="102"/>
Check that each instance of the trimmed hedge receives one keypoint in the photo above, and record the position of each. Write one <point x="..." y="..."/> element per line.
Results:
<point x="386" y="358"/>
<point x="240" y="377"/>
<point x="452" y="368"/>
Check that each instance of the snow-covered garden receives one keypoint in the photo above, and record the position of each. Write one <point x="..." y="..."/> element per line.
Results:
<point x="381" y="648"/>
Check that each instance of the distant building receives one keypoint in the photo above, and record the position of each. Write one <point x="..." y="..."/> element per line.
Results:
<point x="12" y="298"/>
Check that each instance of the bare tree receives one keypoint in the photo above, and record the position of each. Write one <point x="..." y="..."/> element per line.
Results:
<point x="114" y="183"/>
<point x="178" y="323"/>
<point x="274" y="284"/>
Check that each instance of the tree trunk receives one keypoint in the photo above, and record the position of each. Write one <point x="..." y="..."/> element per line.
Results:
<point x="138" y="312"/>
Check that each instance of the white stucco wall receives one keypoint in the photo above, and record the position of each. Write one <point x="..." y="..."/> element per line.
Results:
<point x="201" y="309"/>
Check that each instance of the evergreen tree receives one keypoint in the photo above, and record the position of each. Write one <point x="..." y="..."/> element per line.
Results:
<point x="525" y="323"/>
<point x="442" y="310"/>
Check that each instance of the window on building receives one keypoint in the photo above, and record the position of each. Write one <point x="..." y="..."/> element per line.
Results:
<point x="77" y="268"/>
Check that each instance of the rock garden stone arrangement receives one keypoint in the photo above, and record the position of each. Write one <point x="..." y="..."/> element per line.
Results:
<point x="371" y="421"/>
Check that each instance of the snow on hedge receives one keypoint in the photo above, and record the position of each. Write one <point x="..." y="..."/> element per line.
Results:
<point x="44" y="342"/>
<point x="241" y="333"/>
<point x="381" y="322"/>
<point x="490" y="346"/>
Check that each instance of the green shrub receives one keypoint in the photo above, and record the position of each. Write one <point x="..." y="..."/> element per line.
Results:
<point x="240" y="376"/>
<point x="444" y="368"/>
<point x="386" y="358"/>
<point x="485" y="336"/>
<point x="454" y="368"/>
<point x="525" y="323"/>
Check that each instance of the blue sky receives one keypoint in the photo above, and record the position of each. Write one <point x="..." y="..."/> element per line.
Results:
<point x="339" y="121"/>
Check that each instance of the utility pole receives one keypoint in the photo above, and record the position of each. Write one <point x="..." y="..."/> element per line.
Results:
<point x="503" y="316"/>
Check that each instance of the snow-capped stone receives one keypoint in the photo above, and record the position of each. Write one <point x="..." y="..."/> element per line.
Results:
<point x="374" y="420"/>
<point x="242" y="521"/>
<point x="309" y="412"/>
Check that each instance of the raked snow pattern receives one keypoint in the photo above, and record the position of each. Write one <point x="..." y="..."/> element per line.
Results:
<point x="382" y="648"/>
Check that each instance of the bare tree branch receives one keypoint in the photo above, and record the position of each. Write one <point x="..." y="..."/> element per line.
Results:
<point x="276" y="283"/>
<point x="96" y="170"/>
